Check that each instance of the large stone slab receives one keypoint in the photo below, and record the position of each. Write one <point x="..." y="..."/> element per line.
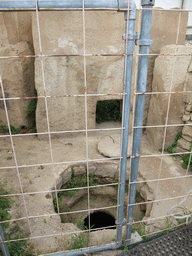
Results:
<point x="110" y="146"/>
<point x="62" y="33"/>
<point x="65" y="75"/>
<point x="169" y="76"/>
<point x="17" y="73"/>
<point x="164" y="31"/>
<point x="18" y="81"/>
<point x="184" y="144"/>
<point x="187" y="130"/>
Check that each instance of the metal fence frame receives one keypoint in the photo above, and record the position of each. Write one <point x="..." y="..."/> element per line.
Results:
<point x="144" y="42"/>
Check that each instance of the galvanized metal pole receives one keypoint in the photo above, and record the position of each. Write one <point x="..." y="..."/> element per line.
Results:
<point x="100" y="5"/>
<point x="144" y="44"/>
<point x="84" y="251"/>
<point x="127" y="102"/>
<point x="3" y="245"/>
<point x="30" y="5"/>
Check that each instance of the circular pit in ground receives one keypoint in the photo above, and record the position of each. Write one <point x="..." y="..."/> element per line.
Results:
<point x="100" y="219"/>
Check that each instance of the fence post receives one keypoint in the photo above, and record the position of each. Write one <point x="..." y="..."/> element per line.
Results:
<point x="144" y="44"/>
<point x="129" y="45"/>
<point x="3" y="245"/>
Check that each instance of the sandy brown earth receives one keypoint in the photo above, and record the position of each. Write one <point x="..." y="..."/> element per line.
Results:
<point x="34" y="208"/>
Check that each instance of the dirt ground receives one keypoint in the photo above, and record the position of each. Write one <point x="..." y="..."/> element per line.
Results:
<point x="34" y="174"/>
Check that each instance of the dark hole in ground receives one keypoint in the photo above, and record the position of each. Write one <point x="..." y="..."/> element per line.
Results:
<point x="99" y="219"/>
<point x="108" y="110"/>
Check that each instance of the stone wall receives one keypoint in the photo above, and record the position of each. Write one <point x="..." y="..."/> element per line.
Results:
<point x="170" y="74"/>
<point x="17" y="73"/>
<point x="61" y="33"/>
<point x="184" y="144"/>
<point x="165" y="26"/>
<point x="64" y="75"/>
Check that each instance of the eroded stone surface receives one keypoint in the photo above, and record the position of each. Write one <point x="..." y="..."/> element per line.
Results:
<point x="18" y="81"/>
<point x="17" y="73"/>
<point x="65" y="75"/>
<point x="184" y="144"/>
<point x="164" y="80"/>
<point x="110" y="146"/>
<point x="187" y="130"/>
<point x="38" y="179"/>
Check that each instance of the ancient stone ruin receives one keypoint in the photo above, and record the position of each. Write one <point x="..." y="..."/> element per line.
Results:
<point x="61" y="34"/>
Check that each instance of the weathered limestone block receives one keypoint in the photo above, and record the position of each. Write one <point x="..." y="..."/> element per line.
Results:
<point x="107" y="169"/>
<point x="164" y="32"/>
<point x="184" y="144"/>
<point x="188" y="87"/>
<point x="187" y="130"/>
<point x="17" y="78"/>
<point x="186" y="137"/>
<point x="62" y="33"/>
<point x="188" y="108"/>
<point x="65" y="75"/>
<point x="17" y="26"/>
<point x="110" y="146"/>
<point x="17" y="73"/>
<point x="169" y="76"/>
<point x="186" y="118"/>
<point x="109" y="192"/>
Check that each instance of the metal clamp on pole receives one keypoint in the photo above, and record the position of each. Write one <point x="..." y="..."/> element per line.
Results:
<point x="130" y="36"/>
<point x="148" y="2"/>
<point x="143" y="42"/>
<point x="122" y="224"/>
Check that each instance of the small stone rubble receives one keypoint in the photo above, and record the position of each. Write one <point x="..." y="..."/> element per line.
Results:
<point x="185" y="142"/>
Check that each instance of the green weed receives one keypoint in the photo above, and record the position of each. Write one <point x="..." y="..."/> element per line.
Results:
<point x="32" y="129"/>
<point x="47" y="196"/>
<point x="14" y="130"/>
<point x="144" y="128"/>
<point x="5" y="204"/>
<point x="79" y="241"/>
<point x="185" y="212"/>
<point x="115" y="181"/>
<point x="17" y="248"/>
<point x="75" y="181"/>
<point x="30" y="111"/>
<point x="9" y="158"/>
<point x="141" y="229"/>
<point x="171" y="149"/>
<point x="78" y="182"/>
<point x="187" y="161"/>
<point x="167" y="225"/>
<point x="59" y="195"/>
<point x="80" y="224"/>
<point x="178" y="137"/>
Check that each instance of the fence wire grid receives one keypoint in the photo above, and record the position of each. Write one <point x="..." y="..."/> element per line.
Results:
<point x="62" y="110"/>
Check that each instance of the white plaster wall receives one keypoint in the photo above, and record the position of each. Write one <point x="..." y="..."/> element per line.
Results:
<point x="188" y="6"/>
<point x="166" y="4"/>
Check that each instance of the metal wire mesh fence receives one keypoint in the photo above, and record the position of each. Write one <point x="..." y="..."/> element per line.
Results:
<point x="67" y="181"/>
